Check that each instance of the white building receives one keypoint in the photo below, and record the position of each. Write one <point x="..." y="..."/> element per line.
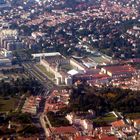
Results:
<point x="6" y="53"/>
<point x="5" y="62"/>
<point x="75" y="120"/>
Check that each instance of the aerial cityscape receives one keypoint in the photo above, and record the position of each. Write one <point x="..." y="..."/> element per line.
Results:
<point x="69" y="69"/>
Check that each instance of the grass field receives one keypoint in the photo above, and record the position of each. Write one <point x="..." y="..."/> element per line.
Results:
<point x="109" y="117"/>
<point x="43" y="69"/>
<point x="8" y="104"/>
<point x="106" y="118"/>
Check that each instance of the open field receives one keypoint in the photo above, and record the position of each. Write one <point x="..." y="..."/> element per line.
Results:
<point x="8" y="104"/>
<point x="108" y="118"/>
<point x="43" y="69"/>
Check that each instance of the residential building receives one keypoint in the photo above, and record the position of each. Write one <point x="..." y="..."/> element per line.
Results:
<point x="119" y="71"/>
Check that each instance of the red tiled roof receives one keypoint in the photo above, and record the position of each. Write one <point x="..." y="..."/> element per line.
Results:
<point x="119" y="69"/>
<point x="94" y="76"/>
<point x="106" y="137"/>
<point x="84" y="138"/>
<point x="65" y="130"/>
<point x="119" y="123"/>
<point x="100" y="76"/>
<point x="137" y="121"/>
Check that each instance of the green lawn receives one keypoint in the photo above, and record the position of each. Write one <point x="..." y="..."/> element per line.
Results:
<point x="106" y="118"/>
<point x="8" y="104"/>
<point x="43" y="69"/>
<point x="109" y="117"/>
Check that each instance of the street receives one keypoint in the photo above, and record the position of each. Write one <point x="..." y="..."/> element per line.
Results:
<point x="48" y="86"/>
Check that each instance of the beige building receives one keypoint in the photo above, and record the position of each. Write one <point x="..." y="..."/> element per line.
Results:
<point x="53" y="65"/>
<point x="118" y="71"/>
<point x="77" y="65"/>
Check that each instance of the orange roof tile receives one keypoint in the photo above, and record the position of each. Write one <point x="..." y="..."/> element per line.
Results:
<point x="106" y="137"/>
<point x="84" y="138"/>
<point x="65" y="130"/>
<point x="137" y="121"/>
<point x="119" y="123"/>
<point x="119" y="69"/>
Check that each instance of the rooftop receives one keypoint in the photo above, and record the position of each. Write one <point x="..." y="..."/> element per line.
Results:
<point x="100" y="60"/>
<point x="119" y="123"/>
<point x="65" y="130"/>
<point x="106" y="137"/>
<point x="84" y="138"/>
<point x="118" y="69"/>
<point x="137" y="121"/>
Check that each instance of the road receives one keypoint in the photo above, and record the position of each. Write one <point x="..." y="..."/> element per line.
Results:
<point x="43" y="123"/>
<point x="48" y="86"/>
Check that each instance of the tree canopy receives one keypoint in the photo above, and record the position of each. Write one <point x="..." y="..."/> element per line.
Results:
<point x="103" y="100"/>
